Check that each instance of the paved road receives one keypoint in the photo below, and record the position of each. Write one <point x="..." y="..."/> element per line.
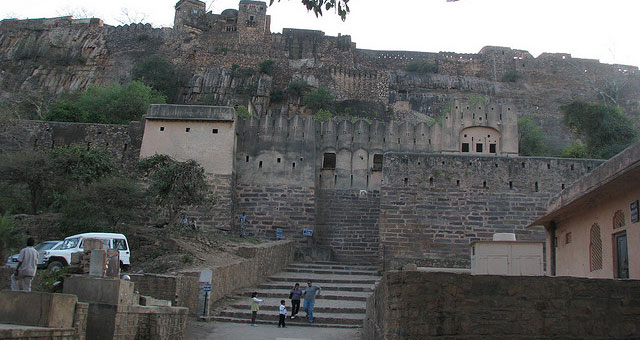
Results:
<point x="239" y="331"/>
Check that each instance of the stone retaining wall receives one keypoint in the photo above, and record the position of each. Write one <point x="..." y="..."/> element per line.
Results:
<point x="433" y="305"/>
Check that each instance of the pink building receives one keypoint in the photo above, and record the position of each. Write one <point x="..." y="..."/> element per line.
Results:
<point x="593" y="227"/>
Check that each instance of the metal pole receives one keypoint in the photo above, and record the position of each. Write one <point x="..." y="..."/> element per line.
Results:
<point x="206" y="297"/>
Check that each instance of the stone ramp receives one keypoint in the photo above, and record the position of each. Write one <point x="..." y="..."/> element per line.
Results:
<point x="342" y="304"/>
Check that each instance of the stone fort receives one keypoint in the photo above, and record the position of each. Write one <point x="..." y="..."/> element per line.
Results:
<point x="428" y="172"/>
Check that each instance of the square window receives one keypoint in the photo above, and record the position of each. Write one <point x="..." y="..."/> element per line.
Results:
<point x="214" y="131"/>
<point x="465" y="147"/>
<point x="187" y="130"/>
<point x="567" y="238"/>
<point x="479" y="147"/>
<point x="492" y="148"/>
<point x="377" y="162"/>
<point x="329" y="161"/>
<point x="162" y="128"/>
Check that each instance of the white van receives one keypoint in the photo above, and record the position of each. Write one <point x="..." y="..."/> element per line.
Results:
<point x="61" y="256"/>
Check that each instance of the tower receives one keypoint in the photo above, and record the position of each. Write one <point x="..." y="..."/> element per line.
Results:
<point x="253" y="21"/>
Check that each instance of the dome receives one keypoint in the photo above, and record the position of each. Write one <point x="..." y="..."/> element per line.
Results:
<point x="229" y="13"/>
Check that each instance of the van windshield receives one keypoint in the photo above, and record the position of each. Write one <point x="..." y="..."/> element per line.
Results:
<point x="70" y="243"/>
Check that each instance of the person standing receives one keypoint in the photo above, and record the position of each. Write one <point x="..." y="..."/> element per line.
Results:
<point x="243" y="224"/>
<point x="310" y="299"/>
<point x="283" y="314"/>
<point x="26" y="269"/>
<point x="294" y="295"/>
<point x="255" y="307"/>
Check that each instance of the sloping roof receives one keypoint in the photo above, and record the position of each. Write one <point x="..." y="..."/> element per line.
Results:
<point x="608" y="180"/>
<point x="190" y="112"/>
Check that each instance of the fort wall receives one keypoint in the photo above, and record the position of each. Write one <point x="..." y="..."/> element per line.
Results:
<point x="432" y="206"/>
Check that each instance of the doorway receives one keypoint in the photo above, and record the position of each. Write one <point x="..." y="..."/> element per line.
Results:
<point x="622" y="256"/>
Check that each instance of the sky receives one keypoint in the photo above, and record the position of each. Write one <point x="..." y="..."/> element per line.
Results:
<point x="606" y="30"/>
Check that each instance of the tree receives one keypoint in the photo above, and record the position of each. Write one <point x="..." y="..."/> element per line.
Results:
<point x="81" y="166"/>
<point x="114" y="104"/>
<point x="267" y="66"/>
<point x="173" y="184"/>
<point x="605" y="130"/>
<point x="320" y="99"/>
<point x="9" y="235"/>
<point x="161" y="75"/>
<point x="297" y="87"/>
<point x="341" y="6"/>
<point x="101" y="205"/>
<point x="32" y="168"/>
<point x="531" y="139"/>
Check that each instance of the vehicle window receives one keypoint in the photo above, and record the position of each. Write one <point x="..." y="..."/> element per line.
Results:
<point x="59" y="246"/>
<point x="105" y="243"/>
<point x="45" y="246"/>
<point x="120" y="244"/>
<point x="70" y="243"/>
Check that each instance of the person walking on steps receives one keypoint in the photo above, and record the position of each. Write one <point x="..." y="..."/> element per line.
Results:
<point x="294" y="295"/>
<point x="283" y="314"/>
<point x="26" y="269"/>
<point x="310" y="299"/>
<point x="255" y="306"/>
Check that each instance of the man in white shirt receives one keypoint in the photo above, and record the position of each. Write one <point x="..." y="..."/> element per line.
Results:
<point x="27" y="266"/>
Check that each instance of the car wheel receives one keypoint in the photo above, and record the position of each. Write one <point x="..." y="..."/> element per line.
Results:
<point x="55" y="266"/>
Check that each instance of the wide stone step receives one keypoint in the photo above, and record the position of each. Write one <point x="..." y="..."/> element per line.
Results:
<point x="334" y="266"/>
<point x="352" y="287"/>
<point x="331" y="271"/>
<point x="270" y="323"/>
<point x="302" y="278"/>
<point x="321" y="306"/>
<point x="324" y="318"/>
<point x="284" y="295"/>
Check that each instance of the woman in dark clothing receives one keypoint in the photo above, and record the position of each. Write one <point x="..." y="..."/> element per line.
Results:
<point x="294" y="295"/>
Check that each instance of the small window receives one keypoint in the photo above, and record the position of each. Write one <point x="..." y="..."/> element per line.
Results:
<point x="465" y="147"/>
<point x="329" y="161"/>
<point x="567" y="238"/>
<point x="120" y="244"/>
<point x="260" y="165"/>
<point x="162" y="128"/>
<point x="279" y="159"/>
<point x="247" y="159"/>
<point x="293" y="165"/>
<point x="214" y="131"/>
<point x="492" y="148"/>
<point x="188" y="130"/>
<point x="377" y="162"/>
<point x="479" y="147"/>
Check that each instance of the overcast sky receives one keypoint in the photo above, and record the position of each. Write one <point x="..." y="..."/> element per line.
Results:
<point x="597" y="29"/>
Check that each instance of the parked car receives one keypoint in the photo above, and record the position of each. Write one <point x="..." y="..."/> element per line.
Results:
<point x="56" y="259"/>
<point x="12" y="261"/>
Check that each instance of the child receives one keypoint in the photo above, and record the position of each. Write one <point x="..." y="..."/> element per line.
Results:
<point x="254" y="307"/>
<point x="294" y="295"/>
<point x="283" y="314"/>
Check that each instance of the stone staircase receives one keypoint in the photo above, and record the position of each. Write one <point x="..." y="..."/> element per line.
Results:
<point x="342" y="304"/>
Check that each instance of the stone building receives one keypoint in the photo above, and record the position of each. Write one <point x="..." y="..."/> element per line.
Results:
<point x="592" y="227"/>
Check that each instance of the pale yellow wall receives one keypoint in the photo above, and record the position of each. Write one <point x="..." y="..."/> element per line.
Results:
<point x="213" y="151"/>
<point x="480" y="135"/>
<point x="573" y="258"/>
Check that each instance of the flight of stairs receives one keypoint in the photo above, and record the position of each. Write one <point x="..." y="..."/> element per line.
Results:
<point x="342" y="303"/>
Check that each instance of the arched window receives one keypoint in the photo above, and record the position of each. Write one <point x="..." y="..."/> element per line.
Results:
<point x="618" y="219"/>
<point x="595" y="248"/>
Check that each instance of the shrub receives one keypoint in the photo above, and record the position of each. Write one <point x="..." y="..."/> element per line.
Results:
<point x="297" y="87"/>
<point x="531" y="139"/>
<point x="242" y="111"/>
<point x="267" y="66"/>
<point x="322" y="115"/>
<point x="320" y="99"/>
<point x="575" y="150"/>
<point x="161" y="75"/>
<point x="277" y="96"/>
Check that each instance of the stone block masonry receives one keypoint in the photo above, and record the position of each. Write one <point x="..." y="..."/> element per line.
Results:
<point x="433" y="206"/>
<point x="347" y="222"/>
<point x="432" y="305"/>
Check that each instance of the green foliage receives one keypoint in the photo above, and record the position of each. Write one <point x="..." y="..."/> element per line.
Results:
<point x="208" y="99"/>
<point x="277" y="96"/>
<point x="267" y="66"/>
<point x="161" y="75"/>
<point x="356" y="119"/>
<point x="510" y="76"/>
<point x="341" y="6"/>
<point x="605" y="130"/>
<point x="322" y="115"/>
<point x="80" y="166"/>
<point x="9" y="236"/>
<point x="320" y="99"/>
<point x="242" y="111"/>
<point x="575" y="150"/>
<point x="46" y="280"/>
<point x="101" y="205"/>
<point x="173" y="184"/>
<point x="187" y="258"/>
<point x="114" y="104"/>
<point x="14" y="198"/>
<point x="531" y="139"/>
<point x="297" y="87"/>
<point x="437" y="173"/>
<point x="31" y="168"/>
<point x="477" y="99"/>
<point x="421" y="66"/>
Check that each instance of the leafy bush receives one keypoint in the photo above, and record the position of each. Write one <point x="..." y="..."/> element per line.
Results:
<point x="114" y="104"/>
<point x="421" y="66"/>
<point x="75" y="164"/>
<point x="242" y="111"/>
<point x="605" y="130"/>
<point x="277" y="96"/>
<point x="477" y="99"/>
<point x="531" y="139"/>
<point x="297" y="87"/>
<point x="34" y="169"/>
<point x="575" y="150"/>
<point x="9" y="236"/>
<point x="320" y="99"/>
<point x="267" y="66"/>
<point x="322" y="115"/>
<point x="161" y="75"/>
